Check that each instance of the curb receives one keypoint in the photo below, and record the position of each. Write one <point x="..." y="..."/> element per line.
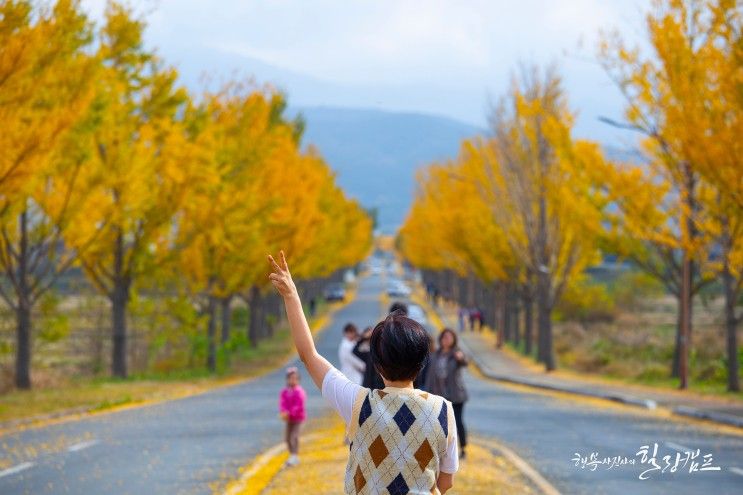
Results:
<point x="622" y="399"/>
<point x="649" y="404"/>
<point x="717" y="417"/>
<point x="524" y="467"/>
<point x="255" y="469"/>
<point x="485" y="370"/>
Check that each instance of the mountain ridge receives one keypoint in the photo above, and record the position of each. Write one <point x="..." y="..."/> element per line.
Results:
<point x="375" y="152"/>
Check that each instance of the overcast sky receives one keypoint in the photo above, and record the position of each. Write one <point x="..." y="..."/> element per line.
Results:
<point x="442" y="57"/>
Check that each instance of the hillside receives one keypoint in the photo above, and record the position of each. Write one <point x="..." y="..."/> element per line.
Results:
<point x="376" y="153"/>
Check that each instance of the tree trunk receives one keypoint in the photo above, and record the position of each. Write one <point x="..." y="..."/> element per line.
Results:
<point x="731" y="324"/>
<point x="211" y="355"/>
<point x="688" y="234"/>
<point x="23" y="348"/>
<point x="685" y="337"/>
<point x="677" y="341"/>
<point x="254" y="320"/>
<point x="119" y="301"/>
<point x="500" y="312"/>
<point x="515" y="316"/>
<point x="23" y="312"/>
<point x="226" y="318"/>
<point x="544" y="321"/>
<point x="507" y="312"/>
<point x="528" y="324"/>
<point x="544" y="306"/>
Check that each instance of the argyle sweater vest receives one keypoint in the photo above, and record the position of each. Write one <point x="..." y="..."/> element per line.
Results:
<point x="397" y="438"/>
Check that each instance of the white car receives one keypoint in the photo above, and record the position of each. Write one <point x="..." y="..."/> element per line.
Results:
<point x="398" y="289"/>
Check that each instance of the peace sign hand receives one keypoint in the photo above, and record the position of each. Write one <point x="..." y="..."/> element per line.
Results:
<point x="281" y="278"/>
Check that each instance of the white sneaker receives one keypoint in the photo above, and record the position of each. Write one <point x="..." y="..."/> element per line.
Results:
<point x="293" y="460"/>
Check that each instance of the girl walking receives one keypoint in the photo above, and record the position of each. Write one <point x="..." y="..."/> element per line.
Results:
<point x="291" y="409"/>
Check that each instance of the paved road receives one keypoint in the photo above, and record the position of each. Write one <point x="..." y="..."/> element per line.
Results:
<point x="187" y="446"/>
<point x="193" y="445"/>
<point x="547" y="432"/>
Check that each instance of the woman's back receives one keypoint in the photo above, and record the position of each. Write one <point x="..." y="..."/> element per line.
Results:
<point x="399" y="441"/>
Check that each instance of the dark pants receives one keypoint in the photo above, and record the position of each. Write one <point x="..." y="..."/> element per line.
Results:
<point x="292" y="437"/>
<point x="461" y="431"/>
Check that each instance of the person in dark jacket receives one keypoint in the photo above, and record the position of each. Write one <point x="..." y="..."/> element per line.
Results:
<point x="444" y="378"/>
<point x="362" y="351"/>
<point x="420" y="380"/>
<point x="372" y="379"/>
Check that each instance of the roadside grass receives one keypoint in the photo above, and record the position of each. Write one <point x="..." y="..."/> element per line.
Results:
<point x="75" y="395"/>
<point x="606" y="357"/>
<point x="323" y="460"/>
<point x="98" y="394"/>
<point x="635" y="350"/>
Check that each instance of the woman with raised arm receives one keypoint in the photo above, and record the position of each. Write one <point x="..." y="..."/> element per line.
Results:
<point x="418" y="427"/>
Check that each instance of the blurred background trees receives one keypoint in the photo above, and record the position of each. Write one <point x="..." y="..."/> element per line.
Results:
<point x="548" y="208"/>
<point x="167" y="202"/>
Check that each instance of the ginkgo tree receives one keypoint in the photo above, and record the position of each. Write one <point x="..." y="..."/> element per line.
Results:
<point x="522" y="176"/>
<point x="141" y="162"/>
<point x="257" y="192"/>
<point x="45" y="97"/>
<point x="107" y="163"/>
<point x="684" y="98"/>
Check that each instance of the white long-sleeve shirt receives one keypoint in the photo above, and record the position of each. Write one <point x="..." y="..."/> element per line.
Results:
<point x="351" y="366"/>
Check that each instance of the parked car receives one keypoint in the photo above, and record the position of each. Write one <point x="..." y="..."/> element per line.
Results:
<point x="335" y="292"/>
<point x="397" y="288"/>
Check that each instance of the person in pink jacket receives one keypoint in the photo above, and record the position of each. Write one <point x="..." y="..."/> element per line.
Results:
<point x="291" y="409"/>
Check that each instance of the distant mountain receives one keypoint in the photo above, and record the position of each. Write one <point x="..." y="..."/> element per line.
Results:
<point x="376" y="153"/>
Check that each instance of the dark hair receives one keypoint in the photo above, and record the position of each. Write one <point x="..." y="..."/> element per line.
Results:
<point x="453" y="334"/>
<point x="350" y="327"/>
<point x="399" y="347"/>
<point x="399" y="306"/>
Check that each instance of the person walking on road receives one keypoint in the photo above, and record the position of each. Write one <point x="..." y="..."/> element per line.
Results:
<point x="462" y="315"/>
<point x="420" y="380"/>
<point x="351" y="365"/>
<point x="372" y="378"/>
<point x="444" y="378"/>
<point x="362" y="350"/>
<point x="403" y="440"/>
<point x="291" y="410"/>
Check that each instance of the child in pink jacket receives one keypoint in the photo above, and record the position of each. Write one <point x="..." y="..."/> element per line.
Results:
<point x="291" y="409"/>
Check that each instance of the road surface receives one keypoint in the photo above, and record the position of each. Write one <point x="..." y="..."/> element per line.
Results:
<point x="196" y="444"/>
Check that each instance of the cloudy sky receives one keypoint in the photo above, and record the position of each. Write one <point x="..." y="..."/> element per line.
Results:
<point x="442" y="57"/>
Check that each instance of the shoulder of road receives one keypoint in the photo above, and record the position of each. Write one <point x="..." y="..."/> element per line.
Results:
<point x="489" y="468"/>
<point x="504" y="366"/>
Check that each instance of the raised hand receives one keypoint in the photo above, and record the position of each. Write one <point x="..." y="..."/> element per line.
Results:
<point x="281" y="278"/>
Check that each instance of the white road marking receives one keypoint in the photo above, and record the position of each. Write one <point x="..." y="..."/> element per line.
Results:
<point x="82" y="445"/>
<point x="16" y="469"/>
<point x="737" y="471"/>
<point x="678" y="447"/>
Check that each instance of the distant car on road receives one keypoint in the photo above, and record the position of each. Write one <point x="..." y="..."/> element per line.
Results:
<point x="335" y="292"/>
<point x="397" y="288"/>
